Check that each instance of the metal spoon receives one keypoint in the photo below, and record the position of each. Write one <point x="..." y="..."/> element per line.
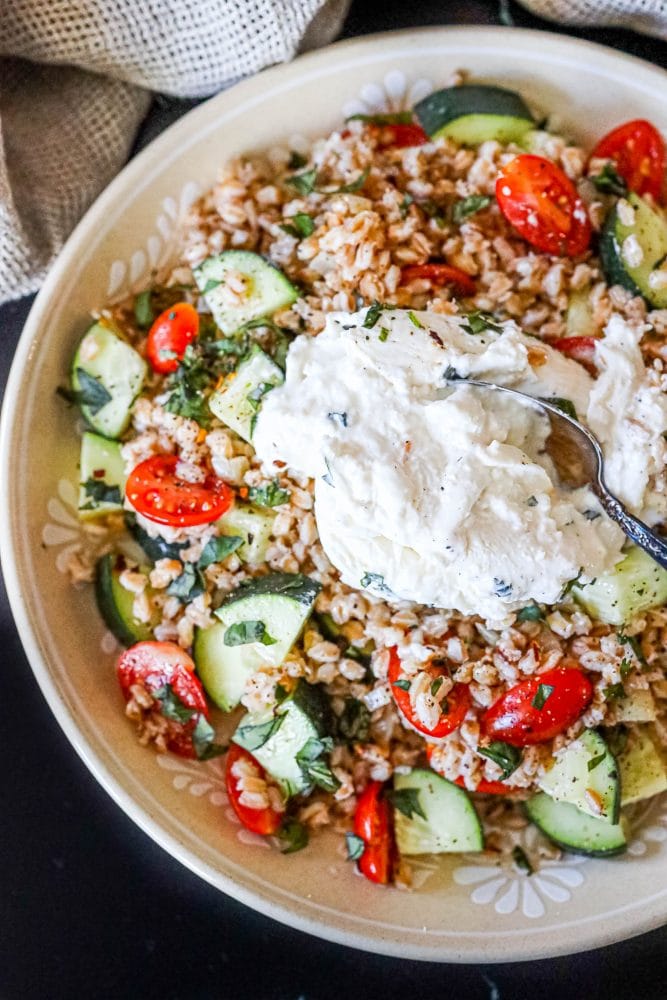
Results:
<point x="579" y="461"/>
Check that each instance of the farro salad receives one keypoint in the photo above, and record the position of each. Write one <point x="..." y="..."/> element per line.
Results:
<point x="374" y="584"/>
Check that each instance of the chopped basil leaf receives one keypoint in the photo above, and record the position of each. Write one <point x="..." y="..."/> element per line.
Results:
<point x="406" y="800"/>
<point x="433" y="211"/>
<point x="91" y="393"/>
<point x="633" y="643"/>
<point x="397" y="118"/>
<point x="542" y="695"/>
<point x="466" y="207"/>
<point x="269" y="495"/>
<point x="143" y="309"/>
<point x="609" y="180"/>
<point x="477" y="321"/>
<point x="520" y="859"/>
<point x="255" y="397"/>
<point x="403" y="684"/>
<point x="353" y="186"/>
<point x="315" y="769"/>
<point x="297" y="160"/>
<point x="614" y="692"/>
<point x="355" y="846"/>
<point x="203" y="740"/>
<point x="303" y="183"/>
<point x="405" y="205"/>
<point x="171" y="706"/>
<point x="338" y="418"/>
<point x="100" y="492"/>
<point x="436" y="685"/>
<point x="415" y="320"/>
<point x="242" y="633"/>
<point x="505" y="756"/>
<point x="501" y="588"/>
<point x="373" y="314"/>
<point x="451" y="374"/>
<point x="211" y="285"/>
<point x="217" y="549"/>
<point x="203" y="734"/>
<point x="255" y="737"/>
<point x="384" y="333"/>
<point x="200" y="367"/>
<point x="299" y="225"/>
<point x="291" y="836"/>
<point x="566" y="406"/>
<point x="595" y="761"/>
<point x="188" y="585"/>
<point x="281" y="694"/>
<point x="354" y="725"/>
<point x="531" y="613"/>
<point x="626" y="667"/>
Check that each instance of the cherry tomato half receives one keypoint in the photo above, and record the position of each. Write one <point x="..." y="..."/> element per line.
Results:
<point x="543" y="205"/>
<point x="488" y="787"/>
<point x="374" y="823"/>
<point x="439" y="275"/>
<point x="580" y="349"/>
<point x="155" y="490"/>
<point x="638" y="152"/>
<point x="169" y="335"/>
<point x="401" y="136"/>
<point x="456" y="703"/>
<point x="263" y="821"/>
<point x="514" y="718"/>
<point x="154" y="665"/>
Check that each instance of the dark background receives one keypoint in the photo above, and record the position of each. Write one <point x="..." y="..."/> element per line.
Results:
<point x="90" y="907"/>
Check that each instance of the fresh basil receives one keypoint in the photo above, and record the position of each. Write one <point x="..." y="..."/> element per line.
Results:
<point x="143" y="309"/>
<point x="242" y="633"/>
<point x="97" y="491"/>
<point x="373" y="314"/>
<point x="203" y="734"/>
<point x="403" y="683"/>
<point x="609" y="181"/>
<point x="281" y="693"/>
<point x="531" y="613"/>
<point x="171" y="706"/>
<point x="433" y="211"/>
<point x="203" y="740"/>
<point x="217" y="549"/>
<point x="633" y="643"/>
<point x="373" y="580"/>
<point x="406" y="800"/>
<point x="596" y="761"/>
<point x="520" y="859"/>
<point x="314" y="768"/>
<point x="269" y="495"/>
<point x="405" y="205"/>
<point x="501" y="588"/>
<point x="355" y="846"/>
<point x="300" y="226"/>
<point x="566" y="406"/>
<point x="255" y="736"/>
<point x="477" y="321"/>
<point x="626" y="667"/>
<point x="188" y="585"/>
<point x="291" y="836"/>
<point x="542" y="695"/>
<point x="436" y="685"/>
<point x="504" y="755"/>
<point x="383" y="335"/>
<point x="466" y="207"/>
<point x="297" y="160"/>
<point x="614" y="692"/>
<point x="451" y="374"/>
<point x="354" y="724"/>
<point x="303" y="183"/>
<point x="91" y="392"/>
<point x="353" y="186"/>
<point x="415" y="320"/>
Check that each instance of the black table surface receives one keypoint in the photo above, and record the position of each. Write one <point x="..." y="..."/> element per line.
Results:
<point x="92" y="908"/>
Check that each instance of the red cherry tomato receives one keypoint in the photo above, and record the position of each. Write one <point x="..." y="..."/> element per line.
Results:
<point x="457" y="701"/>
<point x="638" y="152"/>
<point x="374" y="823"/>
<point x="543" y="205"/>
<point x="514" y="719"/>
<point x="440" y="274"/>
<point x="488" y="787"/>
<point x="401" y="136"/>
<point x="170" y="334"/>
<point x="154" y="665"/>
<point x="262" y="821"/>
<point x="578" y="348"/>
<point x="155" y="490"/>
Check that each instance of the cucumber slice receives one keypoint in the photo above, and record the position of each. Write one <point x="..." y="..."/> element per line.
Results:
<point x="642" y="767"/>
<point x="251" y="524"/>
<point x="587" y="776"/>
<point x="637" y="706"/>
<point x="102" y="475"/>
<point x="579" y="317"/>
<point x="572" y="829"/>
<point x="635" y="585"/>
<point x="283" y="602"/>
<point x="238" y="403"/>
<point x="115" y="603"/>
<point x="303" y="716"/>
<point x="268" y="290"/>
<point x="105" y="367"/>
<point x="451" y="824"/>
<point x="474" y="113"/>
<point x="648" y="232"/>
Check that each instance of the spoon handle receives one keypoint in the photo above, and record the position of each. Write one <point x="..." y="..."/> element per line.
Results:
<point x="635" y="529"/>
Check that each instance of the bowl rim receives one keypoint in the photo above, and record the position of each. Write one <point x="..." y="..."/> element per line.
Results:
<point x="196" y="120"/>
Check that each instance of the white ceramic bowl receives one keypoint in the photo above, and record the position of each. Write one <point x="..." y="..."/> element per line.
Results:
<point x="462" y="909"/>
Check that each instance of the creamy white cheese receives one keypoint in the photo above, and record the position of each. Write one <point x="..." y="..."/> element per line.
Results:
<point x="451" y="501"/>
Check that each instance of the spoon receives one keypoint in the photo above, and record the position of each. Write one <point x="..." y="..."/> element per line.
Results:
<point x="579" y="461"/>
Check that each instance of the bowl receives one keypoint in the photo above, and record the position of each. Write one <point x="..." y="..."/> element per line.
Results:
<point x="462" y="908"/>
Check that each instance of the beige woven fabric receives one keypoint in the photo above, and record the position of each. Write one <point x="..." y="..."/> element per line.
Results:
<point x="647" y="16"/>
<point x="75" y="82"/>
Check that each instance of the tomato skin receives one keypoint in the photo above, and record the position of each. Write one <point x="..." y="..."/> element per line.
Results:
<point x="540" y="201"/>
<point x="155" y="490"/>
<point x="439" y="275"/>
<point x="578" y="348"/>
<point x="514" y="719"/>
<point x="263" y="821"/>
<point x="172" y="331"/>
<point x="458" y="701"/>
<point x="638" y="152"/>
<point x="488" y="787"/>
<point x="374" y="823"/>
<point x="154" y="665"/>
<point x="401" y="136"/>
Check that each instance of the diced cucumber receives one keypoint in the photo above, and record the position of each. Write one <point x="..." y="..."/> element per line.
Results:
<point x="631" y="251"/>
<point x="633" y="586"/>
<point x="642" y="767"/>
<point x="107" y="375"/>
<point x="451" y="824"/>
<point x="238" y="402"/>
<point x="586" y="775"/>
<point x="637" y="706"/>
<point x="303" y="716"/>
<point x="267" y="288"/>
<point x="154" y="547"/>
<point x="251" y="524"/>
<point x="115" y="603"/>
<point x="579" y="317"/>
<point x="474" y="113"/>
<point x="283" y="602"/>
<point x="572" y="829"/>
<point x="101" y="475"/>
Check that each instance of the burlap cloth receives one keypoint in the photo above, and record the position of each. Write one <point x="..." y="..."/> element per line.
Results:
<point x="76" y="78"/>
